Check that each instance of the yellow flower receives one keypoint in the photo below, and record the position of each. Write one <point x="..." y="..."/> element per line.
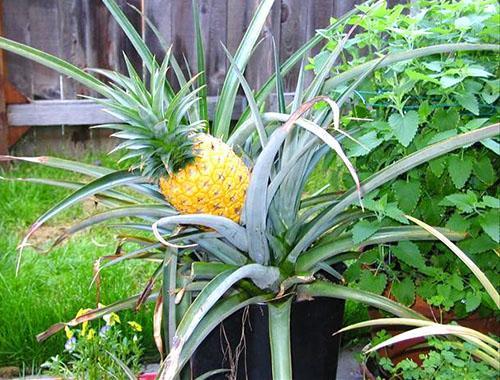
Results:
<point x="91" y="334"/>
<point x="135" y="326"/>
<point x="82" y="312"/>
<point x="111" y="319"/>
<point x="83" y="332"/>
<point x="69" y="332"/>
<point x="84" y="324"/>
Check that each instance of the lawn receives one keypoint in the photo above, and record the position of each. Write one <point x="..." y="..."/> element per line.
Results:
<point x="53" y="287"/>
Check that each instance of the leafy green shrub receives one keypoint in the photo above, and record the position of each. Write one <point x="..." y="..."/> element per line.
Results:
<point x="446" y="360"/>
<point x="410" y="105"/>
<point x="96" y="351"/>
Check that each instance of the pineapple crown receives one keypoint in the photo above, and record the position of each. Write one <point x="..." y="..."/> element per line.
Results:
<point x="158" y="125"/>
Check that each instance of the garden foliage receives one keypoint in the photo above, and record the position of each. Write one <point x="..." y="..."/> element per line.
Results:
<point x="410" y="105"/>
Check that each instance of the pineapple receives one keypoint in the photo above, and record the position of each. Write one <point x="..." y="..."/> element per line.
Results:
<point x="214" y="183"/>
<point x="197" y="173"/>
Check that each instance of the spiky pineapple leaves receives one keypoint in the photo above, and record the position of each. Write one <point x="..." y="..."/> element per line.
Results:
<point x="132" y="34"/>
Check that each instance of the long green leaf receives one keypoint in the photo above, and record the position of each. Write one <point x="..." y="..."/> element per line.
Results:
<point x="256" y="204"/>
<point x="296" y="57"/>
<point x="437" y="329"/>
<point x="480" y="340"/>
<point x="60" y="163"/>
<point x="327" y="289"/>
<point x="87" y="169"/>
<point x="256" y="199"/>
<point x="126" y="370"/>
<point x="279" y="339"/>
<point x="142" y="211"/>
<point x="324" y="222"/>
<point x="222" y="251"/>
<point x="127" y="303"/>
<point x="208" y="270"/>
<point x="175" y="65"/>
<point x="226" y="227"/>
<point x="111" y="195"/>
<point x="132" y="34"/>
<point x="209" y="374"/>
<point x="321" y="252"/>
<point x="462" y="256"/>
<point x="225" y="104"/>
<point x="280" y="88"/>
<point x="407" y="322"/>
<point x="55" y="63"/>
<point x="390" y="59"/>
<point x="200" y="60"/>
<point x="251" y="101"/>
<point x="103" y="183"/>
<point x="168" y="289"/>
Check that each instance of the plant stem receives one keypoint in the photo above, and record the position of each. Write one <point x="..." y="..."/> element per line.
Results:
<point x="279" y="339"/>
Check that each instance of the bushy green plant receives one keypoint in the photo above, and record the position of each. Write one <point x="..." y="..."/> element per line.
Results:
<point x="445" y="360"/>
<point x="94" y="350"/>
<point x="412" y="104"/>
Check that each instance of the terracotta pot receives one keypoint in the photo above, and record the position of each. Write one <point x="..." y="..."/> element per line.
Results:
<point x="407" y="349"/>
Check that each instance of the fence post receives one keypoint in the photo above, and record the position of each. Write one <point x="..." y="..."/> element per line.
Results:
<point x="4" y="128"/>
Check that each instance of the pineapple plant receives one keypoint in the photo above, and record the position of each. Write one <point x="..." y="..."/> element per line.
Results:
<point x="196" y="172"/>
<point x="286" y="240"/>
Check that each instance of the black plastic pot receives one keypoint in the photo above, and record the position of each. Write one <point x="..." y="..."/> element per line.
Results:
<point x="314" y="349"/>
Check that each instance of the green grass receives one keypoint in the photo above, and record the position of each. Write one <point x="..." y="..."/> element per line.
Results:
<point x="53" y="287"/>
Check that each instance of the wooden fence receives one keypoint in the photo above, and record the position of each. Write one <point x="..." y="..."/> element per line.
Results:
<point x="83" y="32"/>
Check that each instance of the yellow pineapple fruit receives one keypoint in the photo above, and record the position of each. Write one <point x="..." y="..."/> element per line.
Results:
<point x="214" y="183"/>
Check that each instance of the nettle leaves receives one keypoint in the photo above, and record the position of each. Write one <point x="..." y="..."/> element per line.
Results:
<point x="404" y="126"/>
<point x="411" y="105"/>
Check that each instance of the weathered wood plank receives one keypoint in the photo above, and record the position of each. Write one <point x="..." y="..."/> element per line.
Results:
<point x="16" y="27"/>
<point x="73" y="18"/>
<point x="159" y="12"/>
<point x="183" y="35"/>
<point x="261" y="64"/>
<point x="44" y="35"/>
<point x="343" y="6"/>
<point x="236" y="24"/>
<point x="84" y="32"/>
<point x="109" y="40"/>
<point x="54" y="112"/>
<point x="78" y="112"/>
<point x="321" y="12"/>
<point x="294" y="33"/>
<point x="213" y="20"/>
